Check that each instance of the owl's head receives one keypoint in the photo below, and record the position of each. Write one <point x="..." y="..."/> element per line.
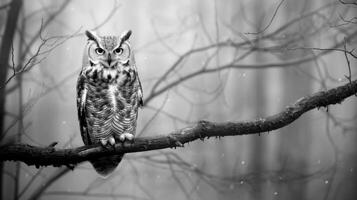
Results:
<point x="108" y="51"/>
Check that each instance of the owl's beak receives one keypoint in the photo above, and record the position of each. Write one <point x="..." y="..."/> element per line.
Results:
<point x="109" y="60"/>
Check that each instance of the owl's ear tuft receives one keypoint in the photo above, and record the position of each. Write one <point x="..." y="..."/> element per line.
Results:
<point x="92" y="36"/>
<point x="125" y="36"/>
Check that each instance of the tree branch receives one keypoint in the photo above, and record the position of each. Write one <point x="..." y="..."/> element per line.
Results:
<point x="45" y="156"/>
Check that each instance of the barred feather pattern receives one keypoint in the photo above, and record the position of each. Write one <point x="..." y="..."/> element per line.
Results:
<point x="108" y="100"/>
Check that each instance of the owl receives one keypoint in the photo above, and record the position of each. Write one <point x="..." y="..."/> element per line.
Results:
<point x="109" y="94"/>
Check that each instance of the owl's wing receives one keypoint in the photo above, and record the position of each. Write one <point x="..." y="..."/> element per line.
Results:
<point x="140" y="92"/>
<point x="81" y="109"/>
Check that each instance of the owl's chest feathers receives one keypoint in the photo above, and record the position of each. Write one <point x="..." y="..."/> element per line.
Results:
<point x="108" y="89"/>
<point x="113" y="95"/>
<point x="100" y="75"/>
<point x="111" y="104"/>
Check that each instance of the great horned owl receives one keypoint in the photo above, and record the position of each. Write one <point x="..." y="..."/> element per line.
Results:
<point x="109" y="94"/>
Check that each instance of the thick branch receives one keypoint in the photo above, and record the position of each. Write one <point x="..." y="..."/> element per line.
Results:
<point x="44" y="156"/>
<point x="5" y="48"/>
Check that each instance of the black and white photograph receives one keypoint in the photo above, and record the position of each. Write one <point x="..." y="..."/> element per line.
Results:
<point x="178" y="100"/>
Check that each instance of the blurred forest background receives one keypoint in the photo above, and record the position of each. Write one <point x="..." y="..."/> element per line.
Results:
<point x="216" y="60"/>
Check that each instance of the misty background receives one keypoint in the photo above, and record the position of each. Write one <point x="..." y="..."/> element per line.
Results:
<point x="198" y="60"/>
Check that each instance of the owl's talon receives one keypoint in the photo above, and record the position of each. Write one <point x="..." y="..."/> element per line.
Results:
<point x="129" y="136"/>
<point x="122" y="137"/>
<point x="112" y="141"/>
<point x="104" y="142"/>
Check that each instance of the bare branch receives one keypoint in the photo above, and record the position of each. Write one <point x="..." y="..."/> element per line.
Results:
<point x="348" y="3"/>
<point x="271" y="20"/>
<point x="348" y="63"/>
<point x="233" y="65"/>
<point x="45" y="156"/>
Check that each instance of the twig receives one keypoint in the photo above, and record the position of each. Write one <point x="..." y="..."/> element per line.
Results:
<point x="154" y="93"/>
<point x="348" y="3"/>
<point x="270" y="22"/>
<point x="348" y="62"/>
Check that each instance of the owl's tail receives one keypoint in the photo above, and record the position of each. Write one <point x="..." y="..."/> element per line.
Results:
<point x="106" y="165"/>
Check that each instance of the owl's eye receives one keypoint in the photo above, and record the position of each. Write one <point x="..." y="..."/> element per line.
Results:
<point x="118" y="50"/>
<point x="99" y="51"/>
